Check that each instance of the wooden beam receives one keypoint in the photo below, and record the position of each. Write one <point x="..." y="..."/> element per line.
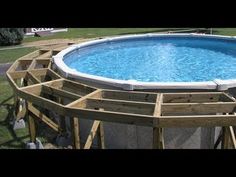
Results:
<point x="58" y="92"/>
<point x="226" y="97"/>
<point x="32" y="126"/>
<point x="21" y="114"/>
<point x="77" y="88"/>
<point x="115" y="117"/>
<point x="191" y="97"/>
<point x="129" y="96"/>
<point x="37" y="114"/>
<point x="98" y="98"/>
<point x="198" y="108"/>
<point x="232" y="136"/>
<point x="42" y="102"/>
<point x="75" y="132"/>
<point x="100" y="134"/>
<point x="225" y="144"/>
<point x="120" y="106"/>
<point x="62" y="117"/>
<point x="197" y="121"/>
<point x="90" y="95"/>
<point x="46" y="54"/>
<point x="33" y="78"/>
<point x="92" y="134"/>
<point x="30" y="87"/>
<point x="158" y="138"/>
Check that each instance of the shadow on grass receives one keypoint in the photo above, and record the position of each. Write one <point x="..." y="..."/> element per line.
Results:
<point x="7" y="123"/>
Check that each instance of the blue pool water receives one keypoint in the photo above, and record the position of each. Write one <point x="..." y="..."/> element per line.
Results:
<point x="165" y="59"/>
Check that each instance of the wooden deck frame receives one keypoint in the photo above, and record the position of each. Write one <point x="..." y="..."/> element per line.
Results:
<point x="157" y="110"/>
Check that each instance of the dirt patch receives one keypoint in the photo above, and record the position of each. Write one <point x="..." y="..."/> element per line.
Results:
<point x="55" y="41"/>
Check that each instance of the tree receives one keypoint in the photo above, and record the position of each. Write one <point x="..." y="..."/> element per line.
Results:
<point x="11" y="36"/>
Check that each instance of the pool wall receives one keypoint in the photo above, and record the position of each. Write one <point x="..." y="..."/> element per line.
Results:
<point x="136" y="85"/>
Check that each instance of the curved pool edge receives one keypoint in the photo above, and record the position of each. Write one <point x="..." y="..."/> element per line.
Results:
<point x="137" y="85"/>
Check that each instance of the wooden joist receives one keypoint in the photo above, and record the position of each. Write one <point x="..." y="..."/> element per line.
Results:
<point x="158" y="137"/>
<point x="232" y="136"/>
<point x="92" y="134"/>
<point x="198" y="108"/>
<point x="75" y="129"/>
<point x="39" y="115"/>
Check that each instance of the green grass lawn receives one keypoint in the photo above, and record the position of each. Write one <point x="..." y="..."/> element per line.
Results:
<point x="96" y="32"/>
<point x="10" y="55"/>
<point x="8" y="137"/>
<point x="225" y="31"/>
<point x="99" y="32"/>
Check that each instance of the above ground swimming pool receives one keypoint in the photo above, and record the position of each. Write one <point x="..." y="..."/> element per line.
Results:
<point x="154" y="61"/>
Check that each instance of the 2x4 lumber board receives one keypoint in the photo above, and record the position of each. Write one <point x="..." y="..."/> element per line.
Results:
<point x="158" y="138"/>
<point x="157" y="110"/>
<point x="57" y="92"/>
<point x="42" y="102"/>
<point x="90" y="95"/>
<point x="197" y="121"/>
<point x="33" y="78"/>
<point x="45" y="72"/>
<point x="23" y="74"/>
<point x="31" y="55"/>
<point x="53" y="74"/>
<point x="108" y="116"/>
<point x="99" y="98"/>
<point x="43" y="118"/>
<point x="12" y="83"/>
<point x="35" y="89"/>
<point x="62" y="118"/>
<point x="46" y="54"/>
<point x="198" y="108"/>
<point x="32" y="126"/>
<point x="130" y="96"/>
<point x="232" y="136"/>
<point x="39" y="72"/>
<point x="44" y="50"/>
<point x="78" y="88"/>
<point x="191" y="97"/>
<point x="43" y="58"/>
<point x="43" y="61"/>
<point x="75" y="128"/>
<point x="31" y="87"/>
<point x="225" y="144"/>
<point x="17" y="74"/>
<point x="60" y="48"/>
<point x="21" y="114"/>
<point x="230" y="98"/>
<point x="120" y="106"/>
<point x="32" y="65"/>
<point x="100" y="134"/>
<point x="92" y="134"/>
<point x="123" y="101"/>
<point x="14" y="66"/>
<point x="84" y="86"/>
<point x="55" y="84"/>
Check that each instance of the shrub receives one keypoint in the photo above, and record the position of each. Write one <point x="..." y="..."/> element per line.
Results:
<point x="11" y="36"/>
